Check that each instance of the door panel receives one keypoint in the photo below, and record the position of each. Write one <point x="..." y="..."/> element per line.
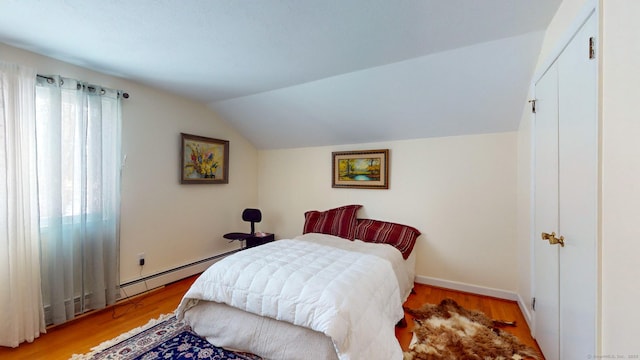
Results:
<point x="546" y="265"/>
<point x="578" y="195"/>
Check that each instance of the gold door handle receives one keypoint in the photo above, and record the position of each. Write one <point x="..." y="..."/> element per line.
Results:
<point x="553" y="239"/>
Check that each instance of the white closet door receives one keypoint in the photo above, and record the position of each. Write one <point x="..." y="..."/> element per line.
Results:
<point x="566" y="193"/>
<point x="578" y="194"/>
<point x="546" y="265"/>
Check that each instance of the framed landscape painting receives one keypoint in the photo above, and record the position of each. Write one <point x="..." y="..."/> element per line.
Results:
<point x="365" y="169"/>
<point x="204" y="160"/>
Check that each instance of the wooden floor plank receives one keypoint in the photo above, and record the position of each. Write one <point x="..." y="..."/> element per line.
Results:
<point x="497" y="309"/>
<point x="80" y="335"/>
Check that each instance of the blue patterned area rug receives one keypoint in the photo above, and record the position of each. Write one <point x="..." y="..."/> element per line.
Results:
<point x="162" y="338"/>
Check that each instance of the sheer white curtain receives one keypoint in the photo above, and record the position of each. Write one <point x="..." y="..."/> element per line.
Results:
<point x="78" y="128"/>
<point x="21" y="312"/>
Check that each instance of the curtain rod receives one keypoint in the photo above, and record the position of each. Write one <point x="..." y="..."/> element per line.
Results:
<point x="50" y="80"/>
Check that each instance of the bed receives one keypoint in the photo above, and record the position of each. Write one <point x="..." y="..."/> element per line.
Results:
<point x="334" y="292"/>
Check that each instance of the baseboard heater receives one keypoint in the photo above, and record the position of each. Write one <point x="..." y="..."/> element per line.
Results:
<point x="138" y="286"/>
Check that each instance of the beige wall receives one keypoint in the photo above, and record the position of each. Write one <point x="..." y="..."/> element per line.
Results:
<point x="460" y="192"/>
<point x="172" y="224"/>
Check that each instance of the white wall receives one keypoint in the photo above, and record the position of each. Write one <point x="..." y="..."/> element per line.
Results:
<point x="562" y="20"/>
<point x="460" y="192"/>
<point x="172" y="224"/>
<point x="620" y="232"/>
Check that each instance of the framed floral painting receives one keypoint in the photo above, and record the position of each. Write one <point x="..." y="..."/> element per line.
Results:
<point x="204" y="160"/>
<point x="368" y="169"/>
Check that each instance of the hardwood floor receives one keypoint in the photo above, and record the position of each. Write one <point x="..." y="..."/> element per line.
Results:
<point x="497" y="309"/>
<point x="80" y="335"/>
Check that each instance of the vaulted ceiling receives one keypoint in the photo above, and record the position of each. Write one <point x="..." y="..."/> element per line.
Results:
<point x="297" y="73"/>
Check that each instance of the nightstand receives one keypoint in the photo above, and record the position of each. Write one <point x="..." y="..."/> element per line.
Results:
<point x="259" y="239"/>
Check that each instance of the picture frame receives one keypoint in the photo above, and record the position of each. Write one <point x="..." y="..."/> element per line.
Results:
<point x="362" y="169"/>
<point x="203" y="160"/>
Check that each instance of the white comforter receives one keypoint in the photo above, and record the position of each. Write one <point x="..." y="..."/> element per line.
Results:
<point x="322" y="282"/>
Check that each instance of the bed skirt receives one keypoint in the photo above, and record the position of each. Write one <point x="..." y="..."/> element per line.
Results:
<point x="239" y="330"/>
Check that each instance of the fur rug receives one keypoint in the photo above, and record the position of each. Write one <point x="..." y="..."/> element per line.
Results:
<point x="449" y="331"/>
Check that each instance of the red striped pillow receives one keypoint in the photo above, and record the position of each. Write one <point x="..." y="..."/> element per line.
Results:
<point x="339" y="221"/>
<point x="402" y="237"/>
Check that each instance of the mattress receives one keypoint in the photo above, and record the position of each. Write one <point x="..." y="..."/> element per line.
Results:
<point x="272" y="338"/>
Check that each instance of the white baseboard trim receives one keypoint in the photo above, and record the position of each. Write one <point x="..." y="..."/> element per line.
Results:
<point x="460" y="286"/>
<point x="138" y="286"/>
<point x="481" y="290"/>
